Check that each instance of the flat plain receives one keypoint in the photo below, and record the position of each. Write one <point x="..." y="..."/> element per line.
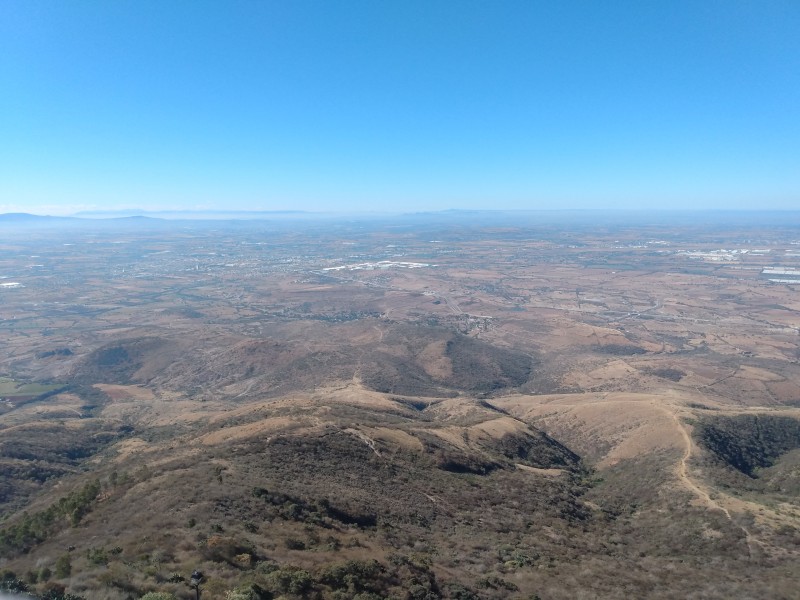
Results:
<point x="457" y="405"/>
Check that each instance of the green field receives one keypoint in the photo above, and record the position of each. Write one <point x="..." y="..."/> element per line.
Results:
<point x="11" y="387"/>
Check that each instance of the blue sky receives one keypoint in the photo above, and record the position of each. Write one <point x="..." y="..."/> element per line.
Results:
<point x="403" y="105"/>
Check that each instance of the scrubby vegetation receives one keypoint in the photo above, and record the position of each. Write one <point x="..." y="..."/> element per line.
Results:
<point x="471" y="364"/>
<point x="34" y="456"/>
<point x="666" y="373"/>
<point x="32" y="529"/>
<point x="478" y="430"/>
<point x="749" y="442"/>
<point x="121" y="361"/>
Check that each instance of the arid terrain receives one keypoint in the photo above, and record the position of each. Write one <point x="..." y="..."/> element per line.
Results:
<point x="465" y="405"/>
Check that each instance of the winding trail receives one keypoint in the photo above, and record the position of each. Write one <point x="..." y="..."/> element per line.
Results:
<point x="757" y="517"/>
<point x="702" y="494"/>
<point x="683" y="469"/>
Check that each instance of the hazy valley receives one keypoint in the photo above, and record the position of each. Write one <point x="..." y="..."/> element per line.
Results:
<point x="458" y="405"/>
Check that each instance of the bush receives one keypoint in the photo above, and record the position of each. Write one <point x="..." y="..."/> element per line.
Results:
<point x="497" y="583"/>
<point x="56" y="591"/>
<point x="225" y="549"/>
<point x="295" y="544"/>
<point x="354" y="576"/>
<point x="97" y="556"/>
<point x="9" y="582"/>
<point x="63" y="566"/>
<point x="290" y="579"/>
<point x="459" y="592"/>
<point x="421" y="592"/>
<point x="248" y="592"/>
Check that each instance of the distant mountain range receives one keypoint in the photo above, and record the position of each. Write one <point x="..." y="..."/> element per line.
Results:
<point x="191" y="214"/>
<point x="131" y="218"/>
<point x="26" y="217"/>
<point x="679" y="218"/>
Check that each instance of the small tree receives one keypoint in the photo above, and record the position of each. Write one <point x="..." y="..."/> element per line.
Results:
<point x="63" y="566"/>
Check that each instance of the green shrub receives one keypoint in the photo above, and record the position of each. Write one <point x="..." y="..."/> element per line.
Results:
<point x="290" y="579"/>
<point x="63" y="566"/>
<point x="354" y="576"/>
<point x="34" y="529"/>
<point x="248" y="592"/>
<point x="9" y="582"/>
<point x="97" y="556"/>
<point x="56" y="591"/>
<point x="295" y="544"/>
